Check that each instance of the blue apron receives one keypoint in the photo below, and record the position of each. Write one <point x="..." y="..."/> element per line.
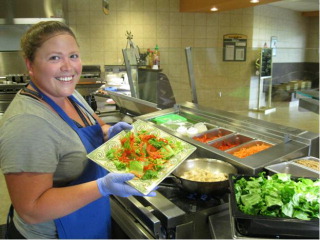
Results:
<point x="93" y="220"/>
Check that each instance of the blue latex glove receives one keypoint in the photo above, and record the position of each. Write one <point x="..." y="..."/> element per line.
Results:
<point x="118" y="127"/>
<point x="115" y="184"/>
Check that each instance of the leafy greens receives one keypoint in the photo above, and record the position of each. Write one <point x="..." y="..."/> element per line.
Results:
<point x="143" y="154"/>
<point x="278" y="196"/>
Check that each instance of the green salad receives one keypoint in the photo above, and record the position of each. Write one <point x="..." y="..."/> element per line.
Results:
<point x="278" y="196"/>
<point x="143" y="154"/>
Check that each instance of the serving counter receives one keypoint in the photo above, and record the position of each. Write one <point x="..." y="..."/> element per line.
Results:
<point x="285" y="142"/>
<point x="175" y="213"/>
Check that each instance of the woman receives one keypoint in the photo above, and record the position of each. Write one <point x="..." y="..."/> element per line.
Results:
<point x="45" y="135"/>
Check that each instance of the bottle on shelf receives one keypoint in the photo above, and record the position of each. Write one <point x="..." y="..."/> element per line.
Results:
<point x="149" y="58"/>
<point x="156" y="58"/>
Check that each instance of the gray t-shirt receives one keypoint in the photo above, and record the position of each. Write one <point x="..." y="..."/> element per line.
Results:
<point x="36" y="139"/>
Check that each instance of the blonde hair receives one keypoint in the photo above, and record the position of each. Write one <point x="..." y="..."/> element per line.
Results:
<point x="39" y="33"/>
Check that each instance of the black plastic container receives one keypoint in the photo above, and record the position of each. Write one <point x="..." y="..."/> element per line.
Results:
<point x="270" y="227"/>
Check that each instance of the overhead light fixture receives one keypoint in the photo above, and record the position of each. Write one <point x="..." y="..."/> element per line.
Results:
<point x="35" y="20"/>
<point x="254" y="1"/>
<point x="214" y="9"/>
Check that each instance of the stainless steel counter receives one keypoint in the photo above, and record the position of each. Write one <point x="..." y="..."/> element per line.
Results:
<point x="287" y="143"/>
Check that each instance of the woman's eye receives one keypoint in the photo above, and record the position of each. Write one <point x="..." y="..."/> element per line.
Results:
<point x="54" y="58"/>
<point x="74" y="56"/>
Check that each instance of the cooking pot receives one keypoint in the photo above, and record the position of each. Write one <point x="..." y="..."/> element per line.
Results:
<point x="208" y="164"/>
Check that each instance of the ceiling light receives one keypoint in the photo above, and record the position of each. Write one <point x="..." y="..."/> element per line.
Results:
<point x="214" y="9"/>
<point x="254" y="1"/>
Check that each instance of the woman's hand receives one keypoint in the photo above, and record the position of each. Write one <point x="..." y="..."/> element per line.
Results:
<point x="110" y="131"/>
<point x="118" y="127"/>
<point x="115" y="184"/>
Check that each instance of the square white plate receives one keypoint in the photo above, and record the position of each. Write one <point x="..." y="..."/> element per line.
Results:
<point x="144" y="186"/>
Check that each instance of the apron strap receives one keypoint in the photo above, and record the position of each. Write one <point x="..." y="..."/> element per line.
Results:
<point x="9" y="220"/>
<point x="58" y="109"/>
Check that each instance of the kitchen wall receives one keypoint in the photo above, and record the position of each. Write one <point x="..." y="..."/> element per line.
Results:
<point x="221" y="84"/>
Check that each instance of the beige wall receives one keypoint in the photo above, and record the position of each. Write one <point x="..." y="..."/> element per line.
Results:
<point x="313" y="40"/>
<point x="220" y="84"/>
<point x="294" y="32"/>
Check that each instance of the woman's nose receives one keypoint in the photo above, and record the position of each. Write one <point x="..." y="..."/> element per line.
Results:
<point x="66" y="65"/>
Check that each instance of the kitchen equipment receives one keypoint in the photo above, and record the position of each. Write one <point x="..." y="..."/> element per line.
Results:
<point x="17" y="78"/>
<point x="231" y="141"/>
<point x="177" y="213"/>
<point x="294" y="168"/>
<point x="7" y="93"/>
<point x="212" y="134"/>
<point x="285" y="143"/>
<point x="249" y="148"/>
<point x="31" y="12"/>
<point x="90" y="82"/>
<point x="173" y="214"/>
<point x="91" y="72"/>
<point x="311" y="163"/>
<point x="132" y="106"/>
<point x="207" y="164"/>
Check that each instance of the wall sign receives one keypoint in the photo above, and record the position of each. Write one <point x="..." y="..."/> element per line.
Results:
<point x="234" y="47"/>
<point x="273" y="45"/>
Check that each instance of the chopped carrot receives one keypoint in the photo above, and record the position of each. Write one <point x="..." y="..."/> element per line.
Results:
<point x="245" y="152"/>
<point x="205" y="138"/>
<point x="225" y="145"/>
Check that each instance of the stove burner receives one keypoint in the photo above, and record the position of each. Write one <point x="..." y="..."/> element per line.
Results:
<point x="190" y="202"/>
<point x="194" y="196"/>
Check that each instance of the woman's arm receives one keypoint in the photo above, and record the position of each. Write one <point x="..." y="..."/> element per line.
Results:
<point x="105" y="127"/>
<point x="35" y="200"/>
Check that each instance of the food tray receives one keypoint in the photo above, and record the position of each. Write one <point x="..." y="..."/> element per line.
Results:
<point x="216" y="132"/>
<point x="248" y="145"/>
<point x="265" y="226"/>
<point x="295" y="161"/>
<point x="175" y="125"/>
<point x="296" y="170"/>
<point x="144" y="186"/>
<point x="169" y="118"/>
<point x="236" y="139"/>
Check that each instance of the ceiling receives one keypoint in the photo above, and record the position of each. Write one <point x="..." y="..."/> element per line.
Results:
<point x="298" y="5"/>
<point x="306" y="7"/>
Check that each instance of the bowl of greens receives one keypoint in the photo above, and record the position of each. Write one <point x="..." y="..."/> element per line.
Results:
<point x="277" y="206"/>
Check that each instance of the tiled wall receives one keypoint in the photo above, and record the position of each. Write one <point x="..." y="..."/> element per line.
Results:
<point x="220" y="84"/>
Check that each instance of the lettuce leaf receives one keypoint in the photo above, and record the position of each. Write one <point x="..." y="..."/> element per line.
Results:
<point x="149" y="174"/>
<point x="279" y="196"/>
<point x="136" y="167"/>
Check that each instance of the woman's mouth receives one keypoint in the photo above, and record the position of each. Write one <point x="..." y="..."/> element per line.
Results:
<point x="65" y="79"/>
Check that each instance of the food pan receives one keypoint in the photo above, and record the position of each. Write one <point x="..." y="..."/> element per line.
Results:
<point x="230" y="142"/>
<point x="212" y="134"/>
<point x="248" y="148"/>
<point x="213" y="166"/>
<point x="175" y="125"/>
<point x="267" y="226"/>
<point x="169" y="118"/>
<point x="305" y="162"/>
<point x="296" y="170"/>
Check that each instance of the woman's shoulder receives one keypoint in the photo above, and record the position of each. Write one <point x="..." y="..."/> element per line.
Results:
<point x="23" y="104"/>
<point x="27" y="110"/>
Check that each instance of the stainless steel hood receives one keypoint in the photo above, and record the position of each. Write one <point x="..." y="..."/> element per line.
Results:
<point x="31" y="11"/>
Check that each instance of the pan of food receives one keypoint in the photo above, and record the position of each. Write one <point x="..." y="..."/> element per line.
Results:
<point x="203" y="175"/>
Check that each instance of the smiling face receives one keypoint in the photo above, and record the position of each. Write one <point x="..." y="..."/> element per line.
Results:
<point x="56" y="68"/>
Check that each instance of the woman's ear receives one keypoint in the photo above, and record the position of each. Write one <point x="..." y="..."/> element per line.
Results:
<point x="29" y="67"/>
